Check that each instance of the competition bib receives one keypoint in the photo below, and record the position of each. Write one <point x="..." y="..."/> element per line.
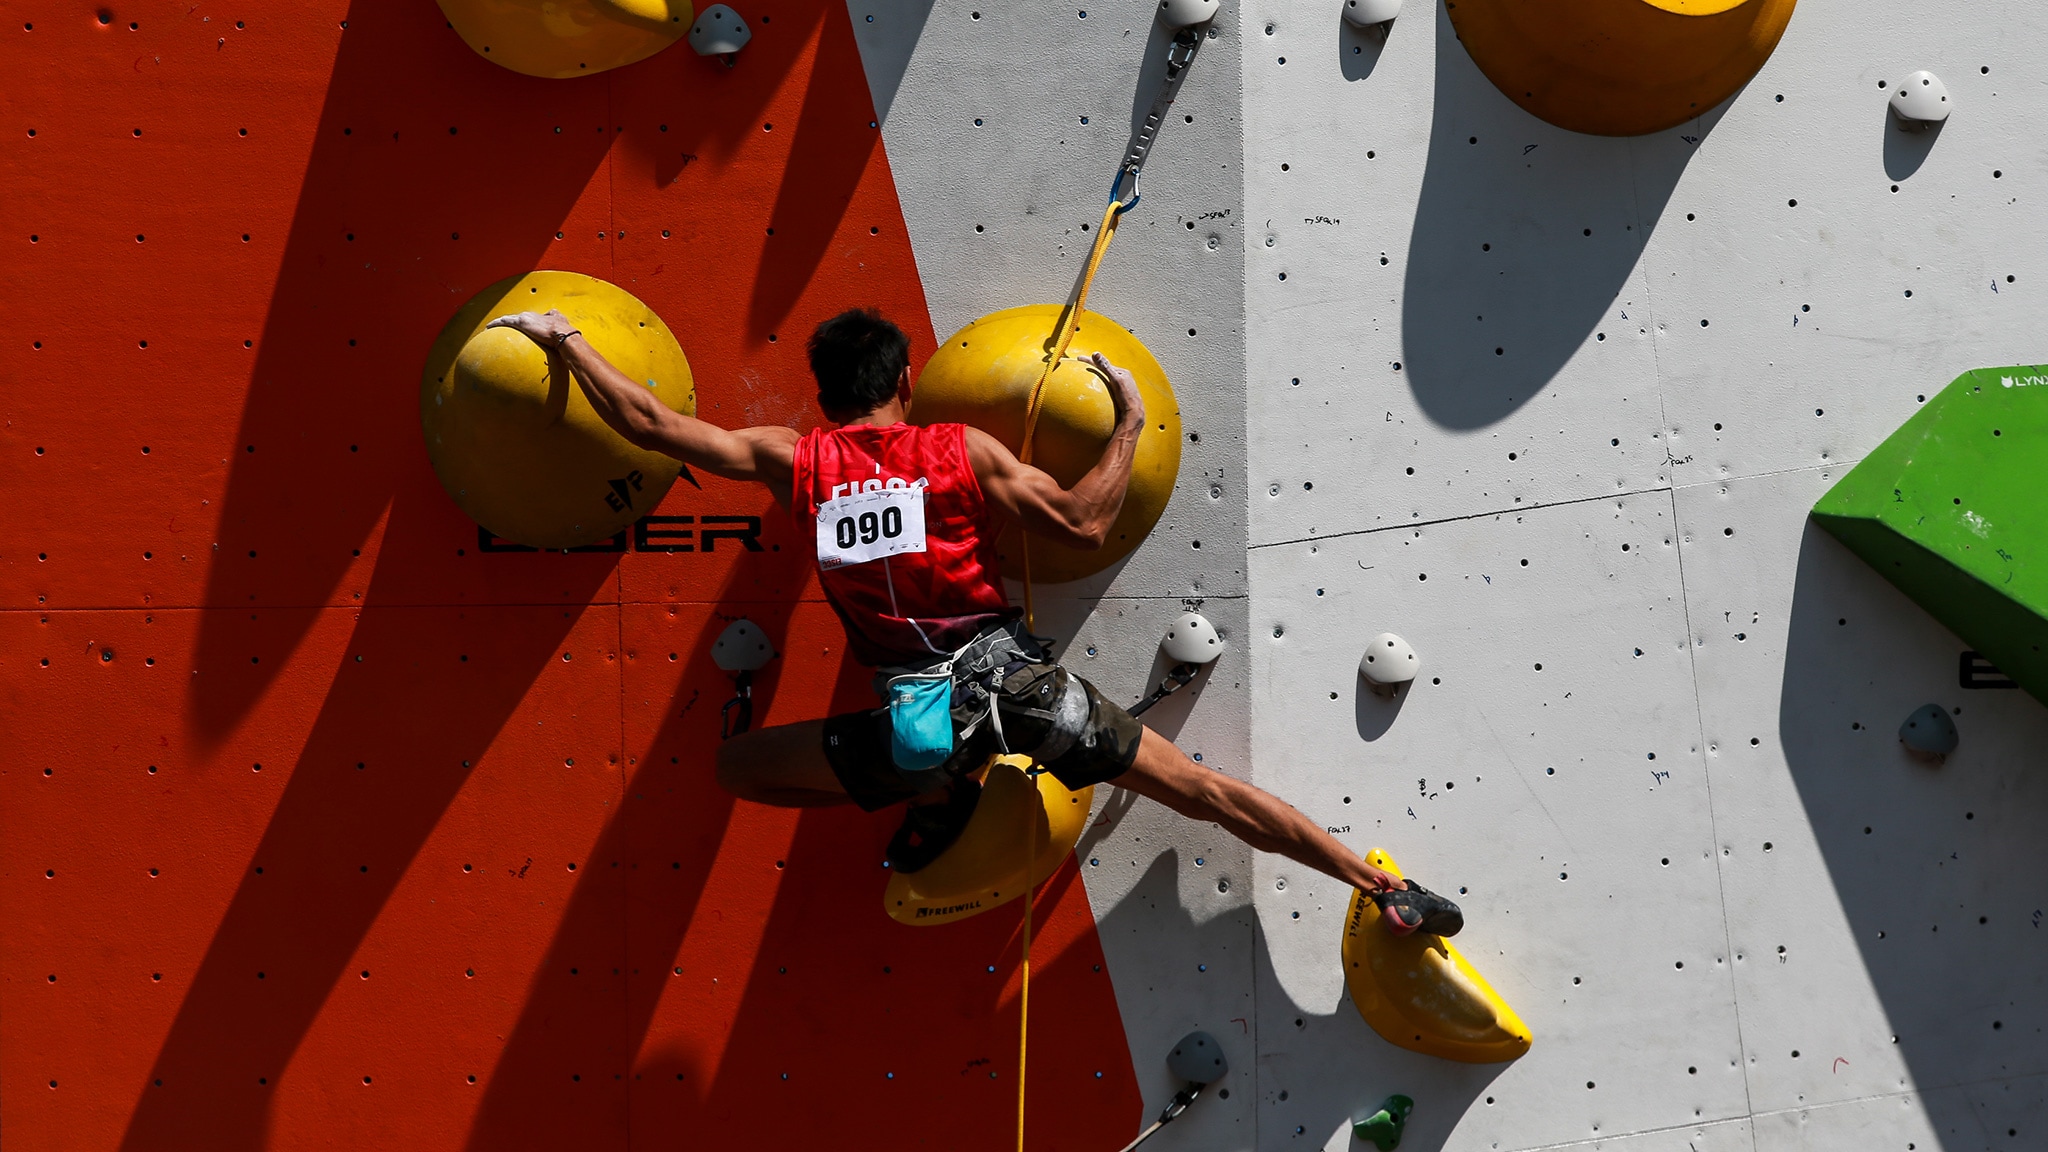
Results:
<point x="866" y="526"/>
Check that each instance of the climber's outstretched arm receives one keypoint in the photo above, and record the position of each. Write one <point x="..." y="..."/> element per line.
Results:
<point x="761" y="454"/>
<point x="1264" y="821"/>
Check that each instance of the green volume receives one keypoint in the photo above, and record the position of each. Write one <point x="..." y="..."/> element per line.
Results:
<point x="1951" y="509"/>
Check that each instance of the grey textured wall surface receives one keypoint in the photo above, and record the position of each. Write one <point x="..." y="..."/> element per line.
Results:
<point x="1553" y="408"/>
<point x="999" y="214"/>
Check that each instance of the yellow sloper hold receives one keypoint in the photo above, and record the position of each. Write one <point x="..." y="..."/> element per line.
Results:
<point x="1420" y="994"/>
<point x="557" y="39"/>
<point x="985" y="867"/>
<point x="524" y="454"/>
<point x="1619" y="67"/>
<point x="984" y="375"/>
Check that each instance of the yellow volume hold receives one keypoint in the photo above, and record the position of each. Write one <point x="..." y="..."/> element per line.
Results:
<point x="984" y="375"/>
<point x="558" y="39"/>
<point x="1619" y="67"/>
<point x="985" y="868"/>
<point x="1420" y="994"/>
<point x="516" y="444"/>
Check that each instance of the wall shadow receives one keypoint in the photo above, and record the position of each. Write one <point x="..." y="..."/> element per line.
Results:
<point x="887" y="45"/>
<point x="381" y="763"/>
<point x="1940" y="871"/>
<point x="402" y="214"/>
<point x="658" y="849"/>
<point x="1905" y="151"/>
<point x="835" y="138"/>
<point x="1524" y="237"/>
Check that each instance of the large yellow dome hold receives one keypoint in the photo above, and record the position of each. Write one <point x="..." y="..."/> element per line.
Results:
<point x="984" y="375"/>
<point x="557" y="39"/>
<point x="1619" y="67"/>
<point x="525" y="454"/>
<point x="1020" y="820"/>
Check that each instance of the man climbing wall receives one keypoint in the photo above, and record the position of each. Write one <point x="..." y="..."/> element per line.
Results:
<point x="916" y="582"/>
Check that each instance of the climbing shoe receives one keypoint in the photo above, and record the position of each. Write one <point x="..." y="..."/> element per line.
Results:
<point x="1415" y="908"/>
<point x="1383" y="1128"/>
<point x="929" y="829"/>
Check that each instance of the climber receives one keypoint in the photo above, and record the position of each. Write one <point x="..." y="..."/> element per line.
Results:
<point x="908" y="609"/>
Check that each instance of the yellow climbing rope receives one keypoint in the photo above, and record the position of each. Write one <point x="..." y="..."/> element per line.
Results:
<point x="1062" y="336"/>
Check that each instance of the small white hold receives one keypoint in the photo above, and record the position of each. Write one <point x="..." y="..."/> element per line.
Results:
<point x="1388" y="663"/>
<point x="719" y="31"/>
<point x="1192" y="640"/>
<point x="1186" y="13"/>
<point x="1921" y="102"/>
<point x="1370" y="13"/>
<point x="742" y="647"/>
<point x="1929" y="732"/>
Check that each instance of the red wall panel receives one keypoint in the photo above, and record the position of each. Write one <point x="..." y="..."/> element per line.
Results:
<point x="483" y="840"/>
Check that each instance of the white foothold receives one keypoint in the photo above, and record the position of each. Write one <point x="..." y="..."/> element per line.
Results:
<point x="719" y="31"/>
<point x="1185" y="13"/>
<point x="1929" y="732"/>
<point x="1921" y="101"/>
<point x="742" y="647"/>
<point x="1388" y="663"/>
<point x="1370" y="13"/>
<point x="1192" y="640"/>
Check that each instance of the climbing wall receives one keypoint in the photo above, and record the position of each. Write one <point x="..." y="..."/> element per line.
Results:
<point x="1005" y="159"/>
<point x="327" y="821"/>
<point x="330" y="822"/>
<point x="1554" y="408"/>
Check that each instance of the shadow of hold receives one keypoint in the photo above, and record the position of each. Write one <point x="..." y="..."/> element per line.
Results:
<point x="1375" y="714"/>
<point x="1905" y="151"/>
<point x="1525" y="237"/>
<point x="1940" y="872"/>
<point x="1333" y="1067"/>
<point x="1359" y="49"/>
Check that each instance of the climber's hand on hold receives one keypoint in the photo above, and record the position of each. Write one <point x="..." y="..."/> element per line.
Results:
<point x="1123" y="392"/>
<point x="546" y="329"/>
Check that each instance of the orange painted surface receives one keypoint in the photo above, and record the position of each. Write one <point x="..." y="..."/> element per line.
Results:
<point x="483" y="840"/>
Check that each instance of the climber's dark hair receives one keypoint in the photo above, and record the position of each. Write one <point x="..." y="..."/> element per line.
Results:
<point x="857" y="357"/>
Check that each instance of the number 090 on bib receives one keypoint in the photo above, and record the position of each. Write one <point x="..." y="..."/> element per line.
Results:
<point x="867" y="526"/>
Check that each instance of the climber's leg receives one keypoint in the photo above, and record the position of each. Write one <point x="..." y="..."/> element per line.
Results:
<point x="1163" y="772"/>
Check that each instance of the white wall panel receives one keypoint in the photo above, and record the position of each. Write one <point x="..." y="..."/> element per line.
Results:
<point x="1437" y="336"/>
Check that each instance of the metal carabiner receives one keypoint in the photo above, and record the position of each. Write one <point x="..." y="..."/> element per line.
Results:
<point x="730" y="725"/>
<point x="1116" y="189"/>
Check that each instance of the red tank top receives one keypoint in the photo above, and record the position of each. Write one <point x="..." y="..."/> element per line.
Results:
<point x="898" y="609"/>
